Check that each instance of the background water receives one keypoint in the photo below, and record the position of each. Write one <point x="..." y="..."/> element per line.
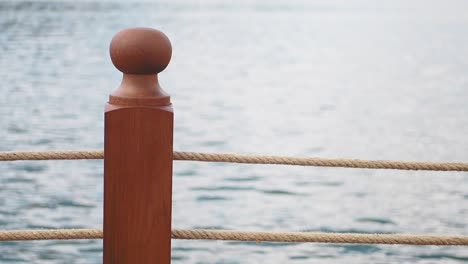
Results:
<point x="328" y="78"/>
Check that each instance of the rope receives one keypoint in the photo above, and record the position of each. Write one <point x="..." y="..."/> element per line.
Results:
<point x="322" y="162"/>
<point x="51" y="155"/>
<point x="50" y="234"/>
<point x="252" y="159"/>
<point x="294" y="237"/>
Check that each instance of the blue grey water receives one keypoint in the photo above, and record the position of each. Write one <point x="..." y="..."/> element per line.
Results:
<point x="329" y="78"/>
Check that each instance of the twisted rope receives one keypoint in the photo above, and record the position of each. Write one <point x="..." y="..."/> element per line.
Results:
<point x="51" y="155"/>
<point x="252" y="159"/>
<point x="50" y="234"/>
<point x="293" y="237"/>
<point x="322" y="162"/>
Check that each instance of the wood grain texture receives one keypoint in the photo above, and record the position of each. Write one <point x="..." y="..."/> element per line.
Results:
<point x="138" y="185"/>
<point x="138" y="152"/>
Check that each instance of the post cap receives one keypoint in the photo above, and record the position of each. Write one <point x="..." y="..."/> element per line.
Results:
<point x="140" y="51"/>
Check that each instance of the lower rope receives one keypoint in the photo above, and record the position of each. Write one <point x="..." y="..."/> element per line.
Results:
<point x="251" y="159"/>
<point x="256" y="236"/>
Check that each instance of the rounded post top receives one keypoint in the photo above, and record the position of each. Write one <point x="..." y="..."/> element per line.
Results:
<point x="140" y="54"/>
<point x="140" y="51"/>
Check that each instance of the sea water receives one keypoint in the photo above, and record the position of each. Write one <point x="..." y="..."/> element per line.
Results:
<point x="353" y="79"/>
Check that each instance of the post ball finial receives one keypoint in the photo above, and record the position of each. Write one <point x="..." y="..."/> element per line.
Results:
<point x="140" y="51"/>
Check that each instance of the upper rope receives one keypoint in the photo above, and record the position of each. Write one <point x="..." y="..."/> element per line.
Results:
<point x="257" y="236"/>
<point x="252" y="159"/>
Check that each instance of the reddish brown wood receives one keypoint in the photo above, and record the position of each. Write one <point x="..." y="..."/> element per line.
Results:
<point x="138" y="153"/>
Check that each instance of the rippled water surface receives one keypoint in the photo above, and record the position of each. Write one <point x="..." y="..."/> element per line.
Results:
<point x="358" y="79"/>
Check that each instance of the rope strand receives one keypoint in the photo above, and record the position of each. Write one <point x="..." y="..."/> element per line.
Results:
<point x="251" y="159"/>
<point x="292" y="237"/>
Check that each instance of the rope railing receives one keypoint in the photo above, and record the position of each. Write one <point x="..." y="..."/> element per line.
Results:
<point x="251" y="159"/>
<point x="255" y="236"/>
<point x="139" y="130"/>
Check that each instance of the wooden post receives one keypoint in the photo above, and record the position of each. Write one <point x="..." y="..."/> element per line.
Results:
<point x="138" y="152"/>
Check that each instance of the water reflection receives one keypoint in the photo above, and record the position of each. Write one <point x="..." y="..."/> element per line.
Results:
<point x="322" y="78"/>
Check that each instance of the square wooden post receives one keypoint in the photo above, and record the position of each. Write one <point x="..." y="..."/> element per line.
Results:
<point x="138" y="153"/>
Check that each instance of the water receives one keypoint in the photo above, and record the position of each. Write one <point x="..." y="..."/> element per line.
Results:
<point x="356" y="79"/>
